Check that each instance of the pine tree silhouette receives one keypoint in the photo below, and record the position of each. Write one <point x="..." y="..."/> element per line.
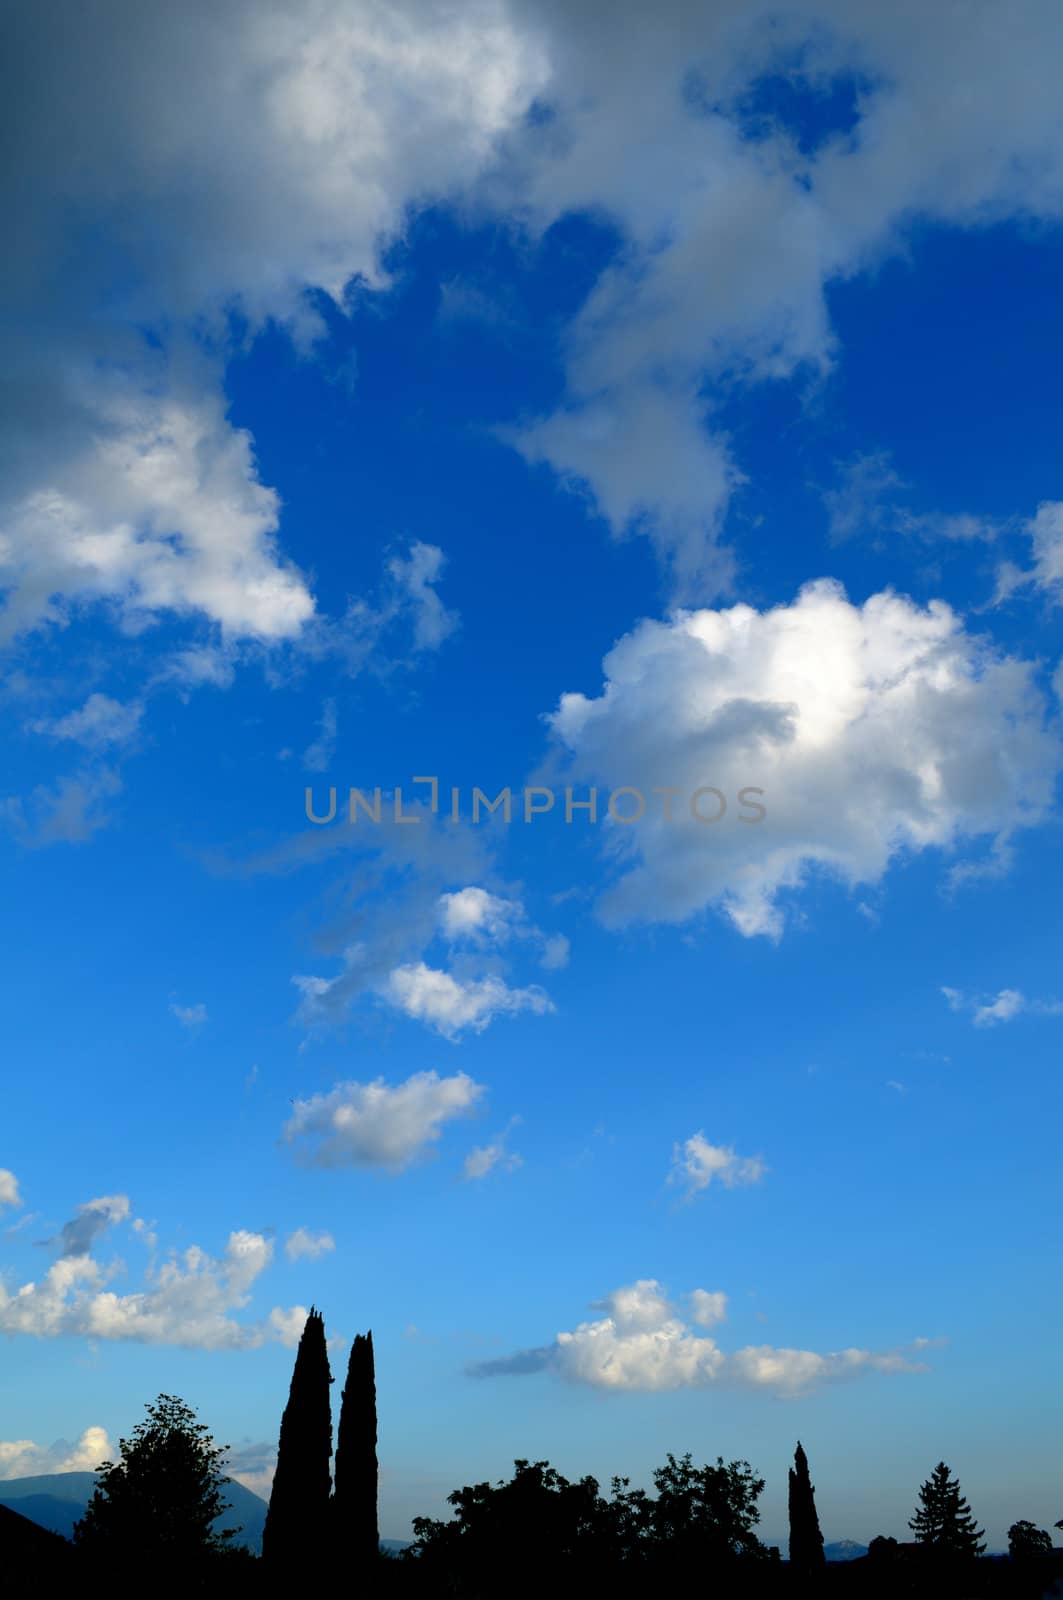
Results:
<point x="354" y="1504"/>
<point x="806" y="1540"/>
<point x="297" y="1519"/>
<point x="943" y="1521"/>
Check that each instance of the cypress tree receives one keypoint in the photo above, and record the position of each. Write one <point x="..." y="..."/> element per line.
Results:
<point x="806" y="1540"/>
<point x="943" y="1520"/>
<point x="297" y="1519"/>
<point x="354" y="1504"/>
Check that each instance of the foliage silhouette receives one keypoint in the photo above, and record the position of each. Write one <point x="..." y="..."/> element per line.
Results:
<point x="158" y="1503"/>
<point x="943" y="1520"/>
<point x="356" y="1533"/>
<point x="1027" y="1539"/>
<point x="806" y="1540"/>
<point x="298" y="1516"/>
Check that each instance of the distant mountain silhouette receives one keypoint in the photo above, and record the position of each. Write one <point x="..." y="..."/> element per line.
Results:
<point x="840" y="1550"/>
<point x="56" y="1500"/>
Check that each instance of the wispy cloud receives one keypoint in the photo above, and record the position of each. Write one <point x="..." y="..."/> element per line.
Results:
<point x="696" y="1164"/>
<point x="1005" y="1006"/>
<point x="302" y="1244"/>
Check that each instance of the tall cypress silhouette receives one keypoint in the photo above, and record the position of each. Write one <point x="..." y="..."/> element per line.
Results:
<point x="806" y="1540"/>
<point x="354" y="1504"/>
<point x="297" y="1519"/>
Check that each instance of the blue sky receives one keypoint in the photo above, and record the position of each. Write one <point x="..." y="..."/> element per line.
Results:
<point x="524" y="400"/>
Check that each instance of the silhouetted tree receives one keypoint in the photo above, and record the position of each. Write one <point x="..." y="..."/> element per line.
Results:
<point x="943" y="1520"/>
<point x="806" y="1540"/>
<point x="297" y="1519"/>
<point x="157" y="1505"/>
<point x="514" y="1537"/>
<point x="354" y="1503"/>
<point x="1027" y="1539"/>
<point x="705" y="1516"/>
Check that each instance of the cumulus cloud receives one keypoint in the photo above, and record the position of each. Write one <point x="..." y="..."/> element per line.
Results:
<point x="641" y="1343"/>
<point x="236" y="157"/>
<point x="377" y="1124"/>
<point x="451" y="1005"/>
<point x="304" y="1244"/>
<point x="474" y="916"/>
<point x="731" y="232"/>
<point x="696" y="1164"/>
<point x="21" y="1458"/>
<point x="406" y="905"/>
<point x="473" y="913"/>
<point x="301" y="138"/>
<point x="1003" y="1007"/>
<point x="190" y="1299"/>
<point x="9" y="1195"/>
<point x="866" y="732"/>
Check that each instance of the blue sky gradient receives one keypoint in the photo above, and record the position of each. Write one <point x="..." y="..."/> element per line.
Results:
<point x="868" y="1051"/>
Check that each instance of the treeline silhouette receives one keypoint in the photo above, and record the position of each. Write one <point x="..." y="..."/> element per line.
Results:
<point x="152" y="1517"/>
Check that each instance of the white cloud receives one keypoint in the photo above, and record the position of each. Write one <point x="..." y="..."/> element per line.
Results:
<point x="189" y="1300"/>
<point x="415" y="577"/>
<point x="376" y="1124"/>
<point x="303" y="1244"/>
<point x="21" y="1458"/>
<point x="696" y="1164"/>
<point x="873" y="731"/>
<point x="473" y="913"/>
<point x="728" y="242"/>
<point x="474" y="916"/>
<point x="494" y="1156"/>
<point x="452" y="1005"/>
<point x="1003" y="1007"/>
<point x="707" y="1308"/>
<point x="190" y="1016"/>
<point x="641" y="1343"/>
<point x="99" y="722"/>
<point x="103" y="527"/>
<point x="233" y="156"/>
<point x="227" y="161"/>
<point x="9" y="1195"/>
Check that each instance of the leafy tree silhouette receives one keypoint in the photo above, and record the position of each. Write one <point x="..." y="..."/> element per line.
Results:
<point x="1027" y="1539"/>
<point x="538" y="1528"/>
<point x="297" y="1519"/>
<point x="158" y="1503"/>
<point x="943" y="1520"/>
<point x="705" y="1516"/>
<point x="511" y="1537"/>
<point x="356" y="1532"/>
<point x="806" y="1540"/>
